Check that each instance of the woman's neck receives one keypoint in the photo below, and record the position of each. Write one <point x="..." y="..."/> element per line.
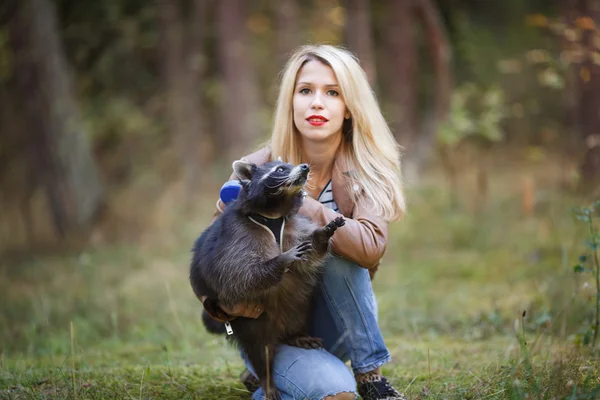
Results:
<point x="320" y="156"/>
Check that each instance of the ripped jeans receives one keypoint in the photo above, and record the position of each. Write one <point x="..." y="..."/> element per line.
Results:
<point x="345" y="317"/>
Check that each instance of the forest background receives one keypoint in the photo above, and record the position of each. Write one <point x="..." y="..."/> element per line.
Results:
<point x="119" y="122"/>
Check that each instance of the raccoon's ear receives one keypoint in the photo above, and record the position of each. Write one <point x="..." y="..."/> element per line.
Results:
<point x="244" y="169"/>
<point x="279" y="159"/>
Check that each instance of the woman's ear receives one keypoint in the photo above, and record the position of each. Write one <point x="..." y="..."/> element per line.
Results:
<point x="347" y="115"/>
<point x="244" y="169"/>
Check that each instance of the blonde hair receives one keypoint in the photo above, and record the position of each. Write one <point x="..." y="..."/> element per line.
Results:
<point x="369" y="149"/>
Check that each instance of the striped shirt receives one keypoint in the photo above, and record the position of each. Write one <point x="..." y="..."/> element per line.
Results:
<point x="326" y="197"/>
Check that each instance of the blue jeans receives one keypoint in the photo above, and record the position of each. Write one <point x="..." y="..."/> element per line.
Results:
<point x="345" y="317"/>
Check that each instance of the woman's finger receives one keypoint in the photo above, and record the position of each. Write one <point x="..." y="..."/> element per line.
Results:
<point x="255" y="310"/>
<point x="244" y="310"/>
<point x="238" y="310"/>
<point x="231" y="311"/>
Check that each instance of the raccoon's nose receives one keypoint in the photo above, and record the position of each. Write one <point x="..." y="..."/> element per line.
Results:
<point x="304" y="168"/>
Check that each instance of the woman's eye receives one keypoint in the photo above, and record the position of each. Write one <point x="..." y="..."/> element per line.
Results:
<point x="332" y="93"/>
<point x="305" y="91"/>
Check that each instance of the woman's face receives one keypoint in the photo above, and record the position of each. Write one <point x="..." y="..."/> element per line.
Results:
<point x="319" y="109"/>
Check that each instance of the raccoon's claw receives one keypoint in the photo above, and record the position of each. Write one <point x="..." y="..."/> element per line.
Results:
<point x="303" y="248"/>
<point x="299" y="252"/>
<point x="306" y="342"/>
<point x="339" y="222"/>
<point x="333" y="225"/>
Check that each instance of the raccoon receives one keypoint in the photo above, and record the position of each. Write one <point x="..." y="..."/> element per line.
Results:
<point x="260" y="250"/>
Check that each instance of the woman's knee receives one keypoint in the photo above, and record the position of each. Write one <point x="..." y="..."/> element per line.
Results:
<point x="317" y="374"/>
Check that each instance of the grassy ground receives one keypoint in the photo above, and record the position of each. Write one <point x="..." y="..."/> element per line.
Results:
<point x="120" y="321"/>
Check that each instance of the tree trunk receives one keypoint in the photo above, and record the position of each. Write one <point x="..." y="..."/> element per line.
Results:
<point x="359" y="36"/>
<point x="439" y="48"/>
<point x="451" y="172"/>
<point x="589" y="104"/>
<point x="238" y="114"/>
<point x="569" y="11"/>
<point x="65" y="165"/>
<point x="417" y="142"/>
<point x="181" y="57"/>
<point x="403" y="62"/>
<point x="584" y="90"/>
<point x="286" y="26"/>
<point x="196" y="61"/>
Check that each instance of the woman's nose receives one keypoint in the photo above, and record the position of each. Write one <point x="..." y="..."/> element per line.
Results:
<point x="317" y="102"/>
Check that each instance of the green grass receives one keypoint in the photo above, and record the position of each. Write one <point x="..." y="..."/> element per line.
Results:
<point x="120" y="320"/>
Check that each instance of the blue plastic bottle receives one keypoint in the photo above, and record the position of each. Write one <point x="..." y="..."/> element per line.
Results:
<point x="229" y="191"/>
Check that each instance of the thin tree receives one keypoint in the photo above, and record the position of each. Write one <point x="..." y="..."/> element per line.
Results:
<point x="583" y="87"/>
<point x="358" y="35"/>
<point x="287" y="29"/>
<point x="589" y="99"/>
<point x="402" y="70"/>
<point x="65" y="165"/>
<point x="181" y="55"/>
<point x="417" y="138"/>
<point x="238" y="115"/>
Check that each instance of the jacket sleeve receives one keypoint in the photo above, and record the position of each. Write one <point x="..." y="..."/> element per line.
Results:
<point x="363" y="239"/>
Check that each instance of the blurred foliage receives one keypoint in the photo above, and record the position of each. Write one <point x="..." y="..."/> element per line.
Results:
<point x="475" y="114"/>
<point x="513" y="68"/>
<point x="589" y="263"/>
<point x="113" y="49"/>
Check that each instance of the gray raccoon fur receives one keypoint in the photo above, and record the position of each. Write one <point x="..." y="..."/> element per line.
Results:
<point x="238" y="261"/>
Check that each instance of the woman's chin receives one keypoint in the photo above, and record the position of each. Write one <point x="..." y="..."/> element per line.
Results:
<point x="314" y="135"/>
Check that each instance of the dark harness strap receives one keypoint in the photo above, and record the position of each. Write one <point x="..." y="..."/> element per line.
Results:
<point x="275" y="225"/>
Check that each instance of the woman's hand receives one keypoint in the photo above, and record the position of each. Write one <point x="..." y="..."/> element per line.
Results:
<point x="250" y="310"/>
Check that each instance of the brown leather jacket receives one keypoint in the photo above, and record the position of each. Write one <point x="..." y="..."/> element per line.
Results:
<point x="363" y="239"/>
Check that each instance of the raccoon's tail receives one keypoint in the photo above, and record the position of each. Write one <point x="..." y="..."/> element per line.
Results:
<point x="212" y="326"/>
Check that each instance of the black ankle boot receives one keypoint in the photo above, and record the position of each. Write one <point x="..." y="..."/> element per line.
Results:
<point x="250" y="381"/>
<point x="378" y="388"/>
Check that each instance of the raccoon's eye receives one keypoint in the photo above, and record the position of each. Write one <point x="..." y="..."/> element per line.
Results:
<point x="280" y="169"/>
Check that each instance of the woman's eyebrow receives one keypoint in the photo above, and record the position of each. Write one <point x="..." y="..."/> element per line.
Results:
<point x="310" y="84"/>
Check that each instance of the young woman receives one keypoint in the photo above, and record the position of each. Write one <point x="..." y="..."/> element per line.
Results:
<point x="327" y="116"/>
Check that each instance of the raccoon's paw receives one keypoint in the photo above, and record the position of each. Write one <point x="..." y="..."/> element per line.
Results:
<point x="339" y="222"/>
<point x="298" y="252"/>
<point x="305" y="342"/>
<point x="331" y="227"/>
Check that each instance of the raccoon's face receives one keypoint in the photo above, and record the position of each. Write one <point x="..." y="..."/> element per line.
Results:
<point x="279" y="177"/>
<point x="272" y="190"/>
<point x="273" y="178"/>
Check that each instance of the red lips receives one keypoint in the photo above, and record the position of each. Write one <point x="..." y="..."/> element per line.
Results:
<point x="316" y="120"/>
